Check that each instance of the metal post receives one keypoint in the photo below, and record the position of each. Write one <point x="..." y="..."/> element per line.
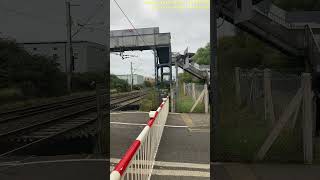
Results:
<point x="237" y="85"/>
<point x="268" y="103"/>
<point x="106" y="124"/>
<point x="214" y="109"/>
<point x="206" y="99"/>
<point x="131" y="76"/>
<point x="177" y="85"/>
<point x="194" y="92"/>
<point x="69" y="47"/>
<point x="307" y="128"/>
<point x="173" y="108"/>
<point x="161" y="74"/>
<point x="155" y="67"/>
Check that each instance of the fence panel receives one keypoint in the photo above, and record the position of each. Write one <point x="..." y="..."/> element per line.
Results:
<point x="268" y="123"/>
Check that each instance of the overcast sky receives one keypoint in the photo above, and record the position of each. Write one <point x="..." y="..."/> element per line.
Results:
<point x="188" y="27"/>
<point x="45" y="20"/>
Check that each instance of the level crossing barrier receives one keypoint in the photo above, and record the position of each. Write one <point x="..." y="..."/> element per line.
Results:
<point x="138" y="161"/>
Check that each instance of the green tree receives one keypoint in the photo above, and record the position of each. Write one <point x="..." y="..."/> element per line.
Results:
<point x="202" y="55"/>
<point x="119" y="84"/>
<point x="35" y="75"/>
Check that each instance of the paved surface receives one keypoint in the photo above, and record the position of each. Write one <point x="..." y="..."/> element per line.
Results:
<point x="79" y="167"/>
<point x="184" y="148"/>
<point x="236" y="171"/>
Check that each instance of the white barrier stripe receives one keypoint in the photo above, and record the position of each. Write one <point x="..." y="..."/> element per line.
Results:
<point x="178" y="173"/>
<point x="128" y="112"/>
<point x="151" y="114"/>
<point x="173" y="164"/>
<point x="114" y="174"/>
<point x="137" y="124"/>
<point x="143" y="134"/>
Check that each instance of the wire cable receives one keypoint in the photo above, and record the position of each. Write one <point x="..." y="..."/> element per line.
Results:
<point x="129" y="21"/>
<point x="95" y="12"/>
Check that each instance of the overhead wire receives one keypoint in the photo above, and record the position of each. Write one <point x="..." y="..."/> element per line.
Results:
<point x="95" y="12"/>
<point x="130" y="22"/>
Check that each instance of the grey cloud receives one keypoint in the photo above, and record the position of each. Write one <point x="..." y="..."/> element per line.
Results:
<point x="44" y="20"/>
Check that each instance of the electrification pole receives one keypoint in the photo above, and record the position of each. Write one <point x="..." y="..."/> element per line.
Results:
<point x="177" y="84"/>
<point x="131" y="76"/>
<point x="69" y="56"/>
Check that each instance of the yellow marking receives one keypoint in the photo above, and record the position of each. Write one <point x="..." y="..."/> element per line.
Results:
<point x="187" y="120"/>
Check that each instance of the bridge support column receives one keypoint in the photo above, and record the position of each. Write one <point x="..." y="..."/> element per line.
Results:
<point x="307" y="129"/>
<point x="173" y="106"/>
<point x="161" y="74"/>
<point x="177" y="85"/>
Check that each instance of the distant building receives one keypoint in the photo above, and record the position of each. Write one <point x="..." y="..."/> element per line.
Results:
<point x="149" y="79"/>
<point x="137" y="79"/>
<point x="88" y="56"/>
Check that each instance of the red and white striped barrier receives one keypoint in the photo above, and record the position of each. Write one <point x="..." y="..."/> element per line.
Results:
<point x="138" y="161"/>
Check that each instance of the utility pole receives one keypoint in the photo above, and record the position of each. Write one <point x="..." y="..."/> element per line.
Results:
<point x="69" y="56"/>
<point x="131" y="76"/>
<point x="177" y="84"/>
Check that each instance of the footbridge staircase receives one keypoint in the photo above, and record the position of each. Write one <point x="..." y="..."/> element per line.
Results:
<point x="185" y="62"/>
<point x="293" y="35"/>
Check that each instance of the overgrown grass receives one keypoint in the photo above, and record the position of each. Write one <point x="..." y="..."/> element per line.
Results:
<point x="10" y="94"/>
<point x="242" y="131"/>
<point x="185" y="103"/>
<point x="149" y="102"/>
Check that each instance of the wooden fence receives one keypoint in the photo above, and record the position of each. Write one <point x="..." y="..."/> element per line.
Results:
<point x="283" y="98"/>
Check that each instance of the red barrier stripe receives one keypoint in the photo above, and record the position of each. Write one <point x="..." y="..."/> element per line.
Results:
<point x="125" y="160"/>
<point x="122" y="165"/>
<point x="151" y="121"/>
<point x="161" y="105"/>
<point x="155" y="114"/>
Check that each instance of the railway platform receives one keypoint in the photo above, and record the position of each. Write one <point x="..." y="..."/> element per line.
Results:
<point x="184" y="148"/>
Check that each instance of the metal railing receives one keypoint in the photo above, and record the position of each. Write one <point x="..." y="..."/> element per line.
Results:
<point x="276" y="17"/>
<point x="138" y="161"/>
<point x="312" y="47"/>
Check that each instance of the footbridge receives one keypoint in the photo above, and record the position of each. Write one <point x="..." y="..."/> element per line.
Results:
<point x="294" y="35"/>
<point x="146" y="39"/>
<point x="160" y="43"/>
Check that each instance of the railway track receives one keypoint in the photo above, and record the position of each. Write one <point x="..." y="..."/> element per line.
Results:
<point x="56" y="119"/>
<point x="29" y="111"/>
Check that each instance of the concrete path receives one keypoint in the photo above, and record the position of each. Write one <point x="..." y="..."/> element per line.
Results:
<point x="237" y="171"/>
